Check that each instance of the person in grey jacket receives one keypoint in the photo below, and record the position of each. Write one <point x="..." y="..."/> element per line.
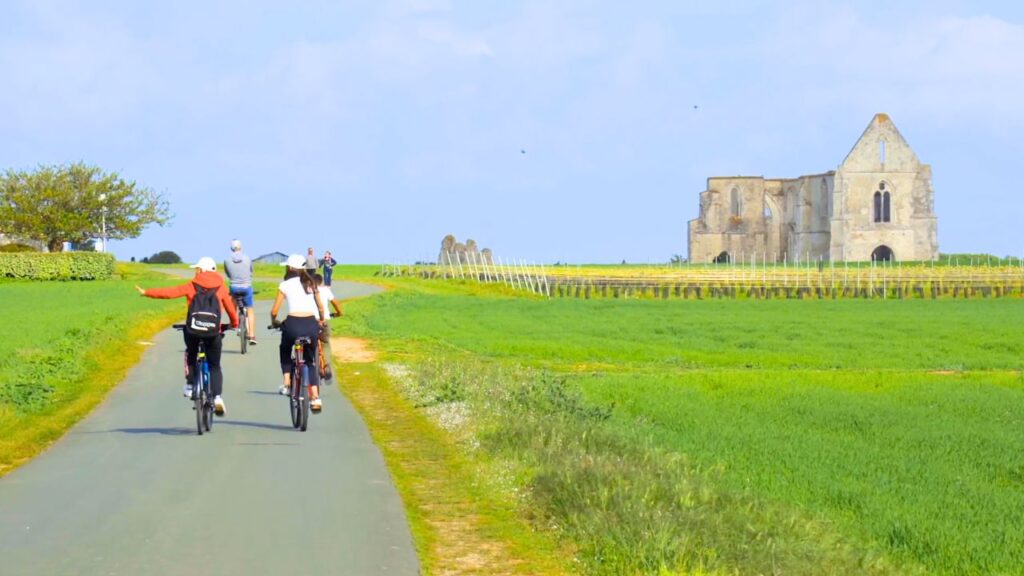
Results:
<point x="311" y="263"/>
<point x="238" y="268"/>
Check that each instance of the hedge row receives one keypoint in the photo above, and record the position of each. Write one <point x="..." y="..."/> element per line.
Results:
<point x="57" y="266"/>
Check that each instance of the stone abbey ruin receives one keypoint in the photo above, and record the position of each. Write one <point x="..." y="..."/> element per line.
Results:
<point x="877" y="205"/>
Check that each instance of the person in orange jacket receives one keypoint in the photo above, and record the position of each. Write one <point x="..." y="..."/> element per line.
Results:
<point x="206" y="277"/>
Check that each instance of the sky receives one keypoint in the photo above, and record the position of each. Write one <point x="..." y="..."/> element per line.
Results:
<point x="571" y="130"/>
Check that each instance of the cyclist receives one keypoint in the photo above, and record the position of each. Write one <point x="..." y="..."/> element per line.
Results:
<point x="304" y="311"/>
<point x="206" y="278"/>
<point x="238" y="268"/>
<point x="327" y="297"/>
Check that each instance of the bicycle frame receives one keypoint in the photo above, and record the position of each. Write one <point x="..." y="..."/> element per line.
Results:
<point x="201" y="394"/>
<point x="298" y="392"/>
<point x="243" y="319"/>
<point x="300" y="396"/>
<point x="201" y="391"/>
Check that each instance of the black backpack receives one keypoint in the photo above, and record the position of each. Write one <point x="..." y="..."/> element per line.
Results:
<point x="203" y="313"/>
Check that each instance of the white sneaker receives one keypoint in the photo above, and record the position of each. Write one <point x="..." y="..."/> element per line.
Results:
<point x="316" y="405"/>
<point x="187" y="391"/>
<point x="284" y="390"/>
<point x="218" y="406"/>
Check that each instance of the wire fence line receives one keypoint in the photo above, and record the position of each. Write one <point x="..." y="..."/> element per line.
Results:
<point x="818" y="280"/>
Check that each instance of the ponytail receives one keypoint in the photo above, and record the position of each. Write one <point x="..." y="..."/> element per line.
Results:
<point x="308" y="284"/>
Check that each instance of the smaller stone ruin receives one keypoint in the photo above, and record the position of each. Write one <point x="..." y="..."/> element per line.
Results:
<point x="453" y="252"/>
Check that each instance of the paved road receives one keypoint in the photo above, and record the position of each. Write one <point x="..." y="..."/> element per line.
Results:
<point x="133" y="490"/>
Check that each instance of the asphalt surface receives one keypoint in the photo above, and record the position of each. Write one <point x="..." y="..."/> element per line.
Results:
<point x="133" y="490"/>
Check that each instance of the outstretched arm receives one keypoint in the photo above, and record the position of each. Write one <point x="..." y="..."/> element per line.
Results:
<point x="228" y="305"/>
<point x="169" y="292"/>
<point x="277" y="307"/>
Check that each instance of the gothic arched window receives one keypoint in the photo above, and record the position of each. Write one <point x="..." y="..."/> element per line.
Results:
<point x="878" y="207"/>
<point x="736" y="203"/>
<point x="885" y="207"/>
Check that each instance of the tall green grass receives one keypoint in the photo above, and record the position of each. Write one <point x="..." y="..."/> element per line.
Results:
<point x="748" y="437"/>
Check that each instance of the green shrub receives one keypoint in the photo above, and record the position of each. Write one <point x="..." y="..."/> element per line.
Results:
<point x="17" y="247"/>
<point x="57" y="266"/>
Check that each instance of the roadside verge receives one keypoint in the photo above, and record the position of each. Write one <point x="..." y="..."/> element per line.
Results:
<point x="460" y="525"/>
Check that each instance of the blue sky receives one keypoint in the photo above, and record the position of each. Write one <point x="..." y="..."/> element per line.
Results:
<point x="374" y="128"/>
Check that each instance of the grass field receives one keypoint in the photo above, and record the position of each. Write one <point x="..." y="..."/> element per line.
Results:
<point x="812" y="437"/>
<point x="63" y="345"/>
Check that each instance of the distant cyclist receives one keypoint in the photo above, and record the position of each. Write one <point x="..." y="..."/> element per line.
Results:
<point x="238" y="268"/>
<point x="205" y="280"/>
<point x="304" y="312"/>
<point x="329" y="301"/>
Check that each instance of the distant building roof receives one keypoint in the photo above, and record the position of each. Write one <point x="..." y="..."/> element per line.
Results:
<point x="272" y="258"/>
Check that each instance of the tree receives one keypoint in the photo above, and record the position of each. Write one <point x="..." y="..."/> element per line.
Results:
<point x="165" y="257"/>
<point x="57" y="204"/>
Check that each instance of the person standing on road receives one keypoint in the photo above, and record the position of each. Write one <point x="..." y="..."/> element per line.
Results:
<point x="304" y="312"/>
<point x="311" y="263"/>
<point x="206" y="279"/>
<point x="238" y="268"/>
<point x="327" y="297"/>
<point x="328" y="264"/>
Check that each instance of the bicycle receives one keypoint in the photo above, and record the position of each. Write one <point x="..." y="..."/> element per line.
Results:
<point x="243" y="321"/>
<point x="201" y="397"/>
<point x="298" y="394"/>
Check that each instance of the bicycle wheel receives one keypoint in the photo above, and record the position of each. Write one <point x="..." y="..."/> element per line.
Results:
<point x="207" y="407"/>
<point x="243" y="331"/>
<point x="296" y="398"/>
<point x="304" y="399"/>
<point x="200" y="400"/>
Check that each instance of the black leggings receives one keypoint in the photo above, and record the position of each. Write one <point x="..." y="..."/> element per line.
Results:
<point x="212" y="359"/>
<point x="293" y="328"/>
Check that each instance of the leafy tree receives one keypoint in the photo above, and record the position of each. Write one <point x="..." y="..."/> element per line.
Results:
<point x="57" y="204"/>
<point x="165" y="257"/>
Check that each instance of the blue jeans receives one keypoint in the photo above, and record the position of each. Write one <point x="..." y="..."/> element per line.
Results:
<point x="328" y="272"/>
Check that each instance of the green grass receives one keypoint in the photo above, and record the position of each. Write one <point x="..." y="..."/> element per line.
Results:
<point x="631" y="335"/>
<point x="62" y="346"/>
<point x="822" y="427"/>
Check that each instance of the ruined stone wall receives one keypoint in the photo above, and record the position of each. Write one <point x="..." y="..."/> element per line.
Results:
<point x="740" y="217"/>
<point x="454" y="252"/>
<point x="808" y="218"/>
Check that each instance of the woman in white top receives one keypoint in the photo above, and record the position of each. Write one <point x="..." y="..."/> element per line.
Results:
<point x="304" y="312"/>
